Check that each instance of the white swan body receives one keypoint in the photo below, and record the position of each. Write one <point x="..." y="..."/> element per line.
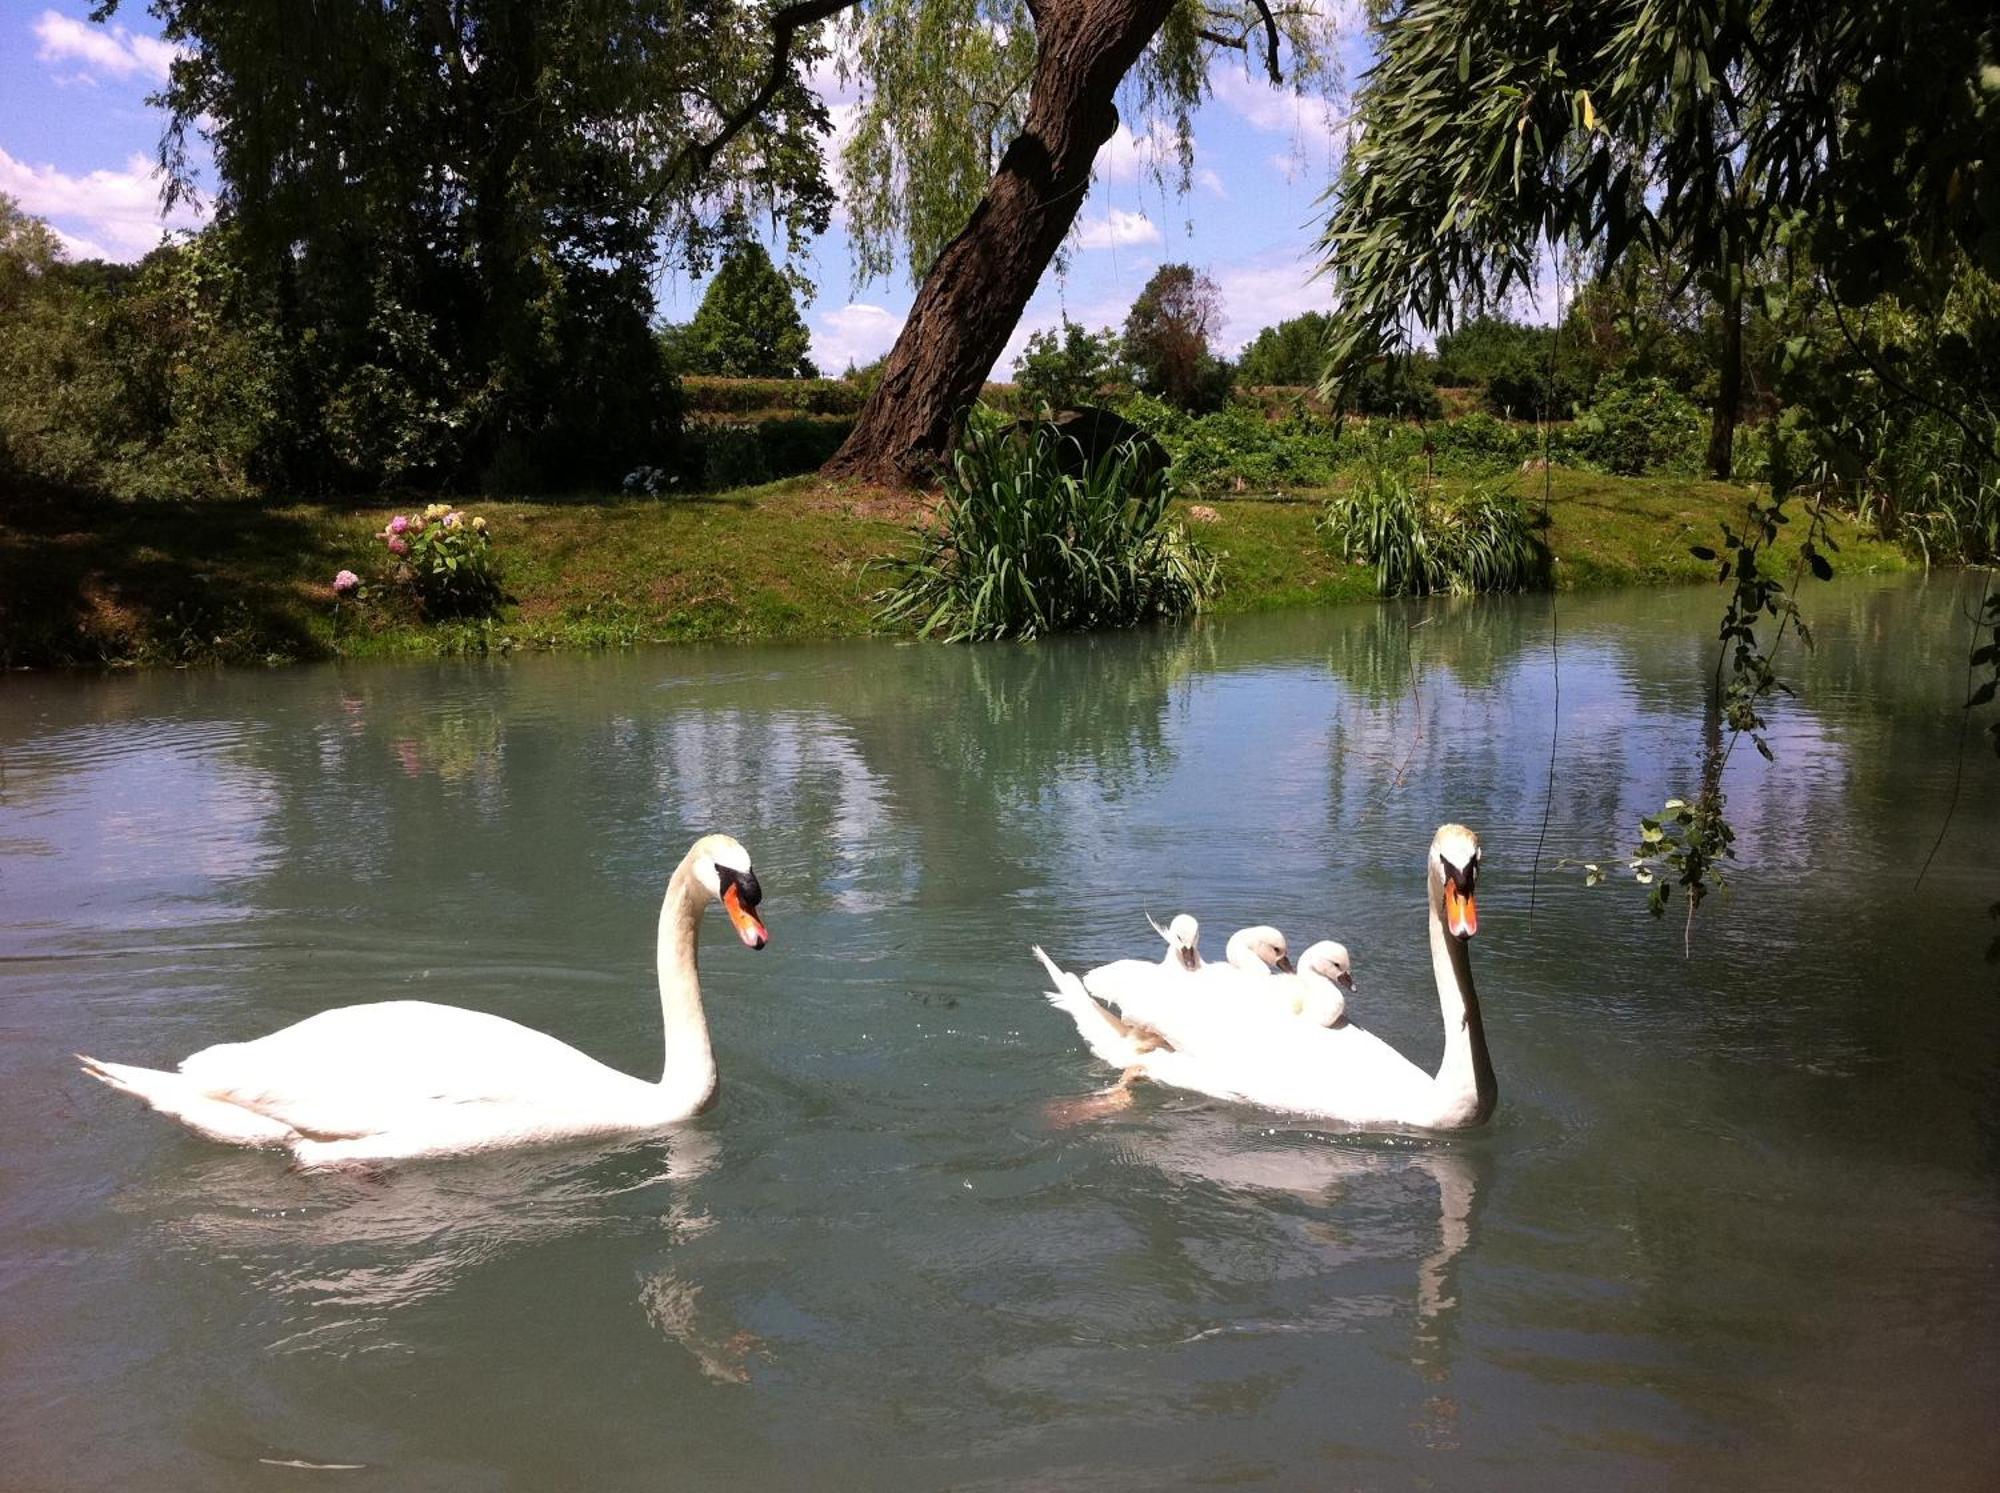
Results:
<point x="401" y="1079"/>
<point x="1340" y="1073"/>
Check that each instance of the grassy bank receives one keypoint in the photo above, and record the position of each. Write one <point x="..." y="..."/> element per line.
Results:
<point x="188" y="583"/>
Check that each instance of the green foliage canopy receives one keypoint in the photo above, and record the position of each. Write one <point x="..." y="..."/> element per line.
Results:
<point x="1071" y="369"/>
<point x="1865" y="132"/>
<point x="453" y="214"/>
<point x="748" y="325"/>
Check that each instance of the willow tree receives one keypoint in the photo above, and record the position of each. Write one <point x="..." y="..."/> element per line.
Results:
<point x="1723" y="135"/>
<point x="971" y="155"/>
<point x="1842" y="151"/>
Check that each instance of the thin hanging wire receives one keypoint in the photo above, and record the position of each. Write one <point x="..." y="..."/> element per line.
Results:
<point x="1555" y="654"/>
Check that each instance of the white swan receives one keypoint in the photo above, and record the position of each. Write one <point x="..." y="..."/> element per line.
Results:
<point x="1317" y="990"/>
<point x="1256" y="951"/>
<point x="1183" y="958"/>
<point x="1340" y="1073"/>
<point x="409" y="1078"/>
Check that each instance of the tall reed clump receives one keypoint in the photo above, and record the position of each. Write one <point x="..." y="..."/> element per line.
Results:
<point x="1033" y="537"/>
<point x="1422" y="540"/>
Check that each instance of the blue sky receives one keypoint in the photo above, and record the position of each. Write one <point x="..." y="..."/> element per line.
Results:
<point x="77" y="146"/>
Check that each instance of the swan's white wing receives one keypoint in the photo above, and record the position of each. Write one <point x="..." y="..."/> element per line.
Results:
<point x="359" y="1070"/>
<point x="1343" y="1072"/>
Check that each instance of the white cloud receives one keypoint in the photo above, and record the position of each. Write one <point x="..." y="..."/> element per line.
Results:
<point x="1116" y="229"/>
<point x="1208" y="180"/>
<point x="856" y="334"/>
<point x="101" y="214"/>
<point x="1127" y="157"/>
<point x="1262" y="294"/>
<point x="101" y="49"/>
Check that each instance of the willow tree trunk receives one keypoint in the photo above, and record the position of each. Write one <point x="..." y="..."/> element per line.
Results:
<point x="973" y="296"/>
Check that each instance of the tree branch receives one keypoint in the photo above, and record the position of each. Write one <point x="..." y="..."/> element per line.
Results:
<point x="1241" y="41"/>
<point x="786" y="24"/>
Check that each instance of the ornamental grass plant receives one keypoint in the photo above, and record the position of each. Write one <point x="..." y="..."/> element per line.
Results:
<point x="1034" y="537"/>
<point x="1422" y="540"/>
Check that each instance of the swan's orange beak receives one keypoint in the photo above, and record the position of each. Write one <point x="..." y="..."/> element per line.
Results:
<point x="748" y="928"/>
<point x="1461" y="912"/>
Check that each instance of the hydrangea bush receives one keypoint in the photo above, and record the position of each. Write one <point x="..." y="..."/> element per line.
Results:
<point x="445" y="558"/>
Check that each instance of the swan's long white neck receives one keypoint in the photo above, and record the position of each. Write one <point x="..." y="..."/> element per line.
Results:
<point x="1464" y="1084"/>
<point x="687" y="1079"/>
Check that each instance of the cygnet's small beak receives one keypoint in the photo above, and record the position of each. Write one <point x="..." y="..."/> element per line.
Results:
<point x="1284" y="966"/>
<point x="1188" y="957"/>
<point x="1345" y="981"/>
<point x="748" y="926"/>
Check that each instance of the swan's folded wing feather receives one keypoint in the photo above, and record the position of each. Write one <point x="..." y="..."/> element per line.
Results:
<point x="359" y="1070"/>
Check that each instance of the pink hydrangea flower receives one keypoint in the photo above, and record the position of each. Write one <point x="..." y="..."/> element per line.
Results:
<point x="398" y="524"/>
<point x="398" y="545"/>
<point x="346" y="583"/>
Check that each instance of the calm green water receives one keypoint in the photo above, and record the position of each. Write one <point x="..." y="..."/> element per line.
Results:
<point x="1734" y="1226"/>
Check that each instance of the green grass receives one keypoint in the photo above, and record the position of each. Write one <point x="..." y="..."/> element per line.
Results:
<point x="97" y="583"/>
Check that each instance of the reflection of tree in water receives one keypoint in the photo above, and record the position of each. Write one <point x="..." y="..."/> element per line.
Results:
<point x="971" y="741"/>
<point x="1469" y="638"/>
<point x="1082" y="708"/>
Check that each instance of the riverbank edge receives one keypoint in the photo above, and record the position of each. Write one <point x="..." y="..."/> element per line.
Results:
<point x="123" y="585"/>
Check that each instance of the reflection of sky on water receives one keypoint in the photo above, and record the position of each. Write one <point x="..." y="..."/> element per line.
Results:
<point x="94" y="824"/>
<point x="1701" y="1175"/>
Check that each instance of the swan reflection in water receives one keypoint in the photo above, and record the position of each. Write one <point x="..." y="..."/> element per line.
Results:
<point x="344" y="1254"/>
<point x="1358" y="1191"/>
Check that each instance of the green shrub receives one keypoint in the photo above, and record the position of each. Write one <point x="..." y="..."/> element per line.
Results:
<point x="1478" y="443"/>
<point x="444" y="558"/>
<point x="1422" y="540"/>
<point x="1020" y="549"/>
<point x="1403" y="387"/>
<point x="1638" y="427"/>
<point x="1522" y="386"/>
<point x="1067" y="371"/>
<point x="743" y="453"/>
<point x="1937" y="490"/>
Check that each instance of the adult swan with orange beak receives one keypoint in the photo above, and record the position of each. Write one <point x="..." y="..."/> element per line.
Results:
<point x="401" y="1079"/>
<point x="1342" y="1073"/>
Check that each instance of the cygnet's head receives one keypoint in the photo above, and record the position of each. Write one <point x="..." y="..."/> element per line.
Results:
<point x="1259" y="950"/>
<point x="1329" y="961"/>
<point x="1183" y="936"/>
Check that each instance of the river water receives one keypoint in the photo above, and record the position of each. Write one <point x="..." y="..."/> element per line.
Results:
<point x="1734" y="1225"/>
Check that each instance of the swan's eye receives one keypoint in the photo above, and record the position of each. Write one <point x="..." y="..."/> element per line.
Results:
<point x="748" y="892"/>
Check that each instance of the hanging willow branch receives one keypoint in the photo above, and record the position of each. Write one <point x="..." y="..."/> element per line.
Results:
<point x="786" y="24"/>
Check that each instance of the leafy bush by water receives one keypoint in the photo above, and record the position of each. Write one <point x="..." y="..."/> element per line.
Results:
<point x="1639" y="427"/>
<point x="1030" y="539"/>
<point x="1422" y="540"/>
<point x="444" y="558"/>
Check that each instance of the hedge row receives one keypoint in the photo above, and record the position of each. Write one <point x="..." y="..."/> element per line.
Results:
<point x="748" y="396"/>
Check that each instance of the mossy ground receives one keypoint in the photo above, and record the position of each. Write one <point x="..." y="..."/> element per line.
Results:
<point x="102" y="583"/>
